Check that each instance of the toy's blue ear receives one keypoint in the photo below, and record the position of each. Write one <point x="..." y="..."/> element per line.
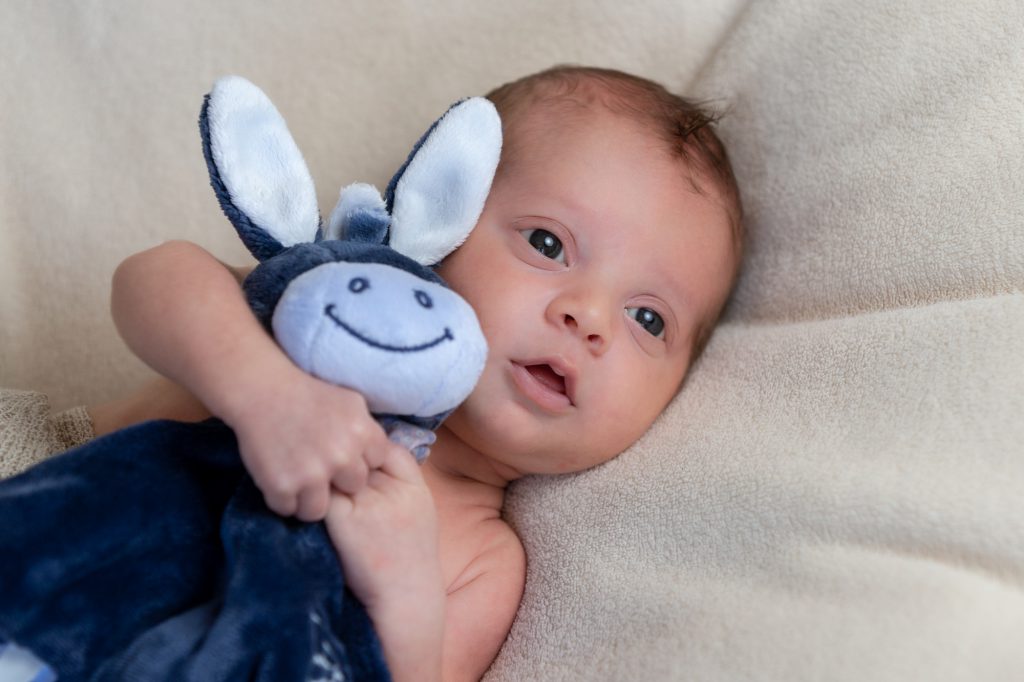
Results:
<point x="436" y="198"/>
<point x="256" y="169"/>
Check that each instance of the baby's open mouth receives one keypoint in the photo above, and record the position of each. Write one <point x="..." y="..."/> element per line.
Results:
<point x="551" y="385"/>
<point x="548" y="377"/>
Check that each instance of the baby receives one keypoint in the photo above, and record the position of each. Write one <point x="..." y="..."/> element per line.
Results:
<point x="604" y="255"/>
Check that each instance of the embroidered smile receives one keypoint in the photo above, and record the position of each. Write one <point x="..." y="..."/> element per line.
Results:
<point x="447" y="336"/>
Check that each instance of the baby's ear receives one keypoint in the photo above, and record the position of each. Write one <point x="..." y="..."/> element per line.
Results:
<point x="436" y="198"/>
<point x="256" y="169"/>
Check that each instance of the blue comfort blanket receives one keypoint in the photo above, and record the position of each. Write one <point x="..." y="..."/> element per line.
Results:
<point x="149" y="555"/>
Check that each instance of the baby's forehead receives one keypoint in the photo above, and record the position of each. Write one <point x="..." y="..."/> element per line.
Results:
<point x="548" y="134"/>
<point x="550" y="156"/>
<point x="665" y="123"/>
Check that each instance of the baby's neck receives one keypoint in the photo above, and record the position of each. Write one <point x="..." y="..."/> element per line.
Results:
<point x="462" y="479"/>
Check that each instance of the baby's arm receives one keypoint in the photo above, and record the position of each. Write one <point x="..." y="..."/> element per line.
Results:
<point x="429" y="631"/>
<point x="480" y="607"/>
<point x="386" y="536"/>
<point x="158" y="398"/>
<point x="182" y="312"/>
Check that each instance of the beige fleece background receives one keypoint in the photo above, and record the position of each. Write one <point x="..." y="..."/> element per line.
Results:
<point x="836" y="493"/>
<point x="101" y="152"/>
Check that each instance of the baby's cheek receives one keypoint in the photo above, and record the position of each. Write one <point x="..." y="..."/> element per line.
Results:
<point x="625" y="420"/>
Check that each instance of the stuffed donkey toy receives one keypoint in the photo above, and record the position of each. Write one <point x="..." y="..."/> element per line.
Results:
<point x="359" y="306"/>
<point x="149" y="553"/>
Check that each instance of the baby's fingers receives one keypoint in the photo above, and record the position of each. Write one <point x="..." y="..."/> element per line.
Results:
<point x="351" y="478"/>
<point x="313" y="503"/>
<point x="303" y="491"/>
<point x="400" y="463"/>
<point x="280" y="502"/>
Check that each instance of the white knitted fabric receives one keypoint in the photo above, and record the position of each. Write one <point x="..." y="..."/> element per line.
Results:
<point x="29" y="433"/>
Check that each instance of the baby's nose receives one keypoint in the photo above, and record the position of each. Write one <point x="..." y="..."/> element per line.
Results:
<point x="595" y="339"/>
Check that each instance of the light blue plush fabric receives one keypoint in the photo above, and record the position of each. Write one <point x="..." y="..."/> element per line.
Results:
<point x="18" y="664"/>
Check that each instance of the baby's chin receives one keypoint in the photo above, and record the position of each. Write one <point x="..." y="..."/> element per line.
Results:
<point x="517" y="439"/>
<point x="562" y="457"/>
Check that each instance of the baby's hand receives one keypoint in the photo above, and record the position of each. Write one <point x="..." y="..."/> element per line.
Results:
<point x="387" y="537"/>
<point x="299" y="436"/>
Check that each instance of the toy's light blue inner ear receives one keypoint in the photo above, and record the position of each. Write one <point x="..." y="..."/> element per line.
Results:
<point x="439" y="194"/>
<point x="259" y="163"/>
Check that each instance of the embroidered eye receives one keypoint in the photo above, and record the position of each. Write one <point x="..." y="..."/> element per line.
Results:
<point x="358" y="284"/>
<point x="423" y="299"/>
<point x="649" y="320"/>
<point x="546" y="244"/>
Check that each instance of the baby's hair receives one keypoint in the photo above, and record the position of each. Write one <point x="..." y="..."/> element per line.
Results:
<point x="684" y="126"/>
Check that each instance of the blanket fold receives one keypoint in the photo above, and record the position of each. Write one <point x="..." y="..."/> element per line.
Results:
<point x="150" y="554"/>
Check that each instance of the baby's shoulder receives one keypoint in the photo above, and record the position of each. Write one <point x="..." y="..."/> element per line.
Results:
<point x="497" y="552"/>
<point x="483" y="600"/>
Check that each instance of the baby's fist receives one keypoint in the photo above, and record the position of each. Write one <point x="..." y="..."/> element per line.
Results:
<point x="304" y="438"/>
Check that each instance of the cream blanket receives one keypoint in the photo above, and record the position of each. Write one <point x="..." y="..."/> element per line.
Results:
<point x="835" y="495"/>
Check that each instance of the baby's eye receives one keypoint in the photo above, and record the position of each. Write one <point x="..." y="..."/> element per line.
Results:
<point x="546" y="244"/>
<point x="651" y="321"/>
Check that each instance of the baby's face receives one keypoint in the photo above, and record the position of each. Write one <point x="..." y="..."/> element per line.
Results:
<point x="591" y="268"/>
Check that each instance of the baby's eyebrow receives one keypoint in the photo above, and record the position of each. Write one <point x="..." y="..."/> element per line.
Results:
<point x="673" y="292"/>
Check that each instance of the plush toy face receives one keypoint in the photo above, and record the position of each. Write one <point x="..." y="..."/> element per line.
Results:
<point x="396" y="338"/>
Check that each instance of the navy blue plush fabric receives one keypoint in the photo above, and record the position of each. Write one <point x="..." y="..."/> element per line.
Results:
<point x="265" y="285"/>
<point x="149" y="555"/>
